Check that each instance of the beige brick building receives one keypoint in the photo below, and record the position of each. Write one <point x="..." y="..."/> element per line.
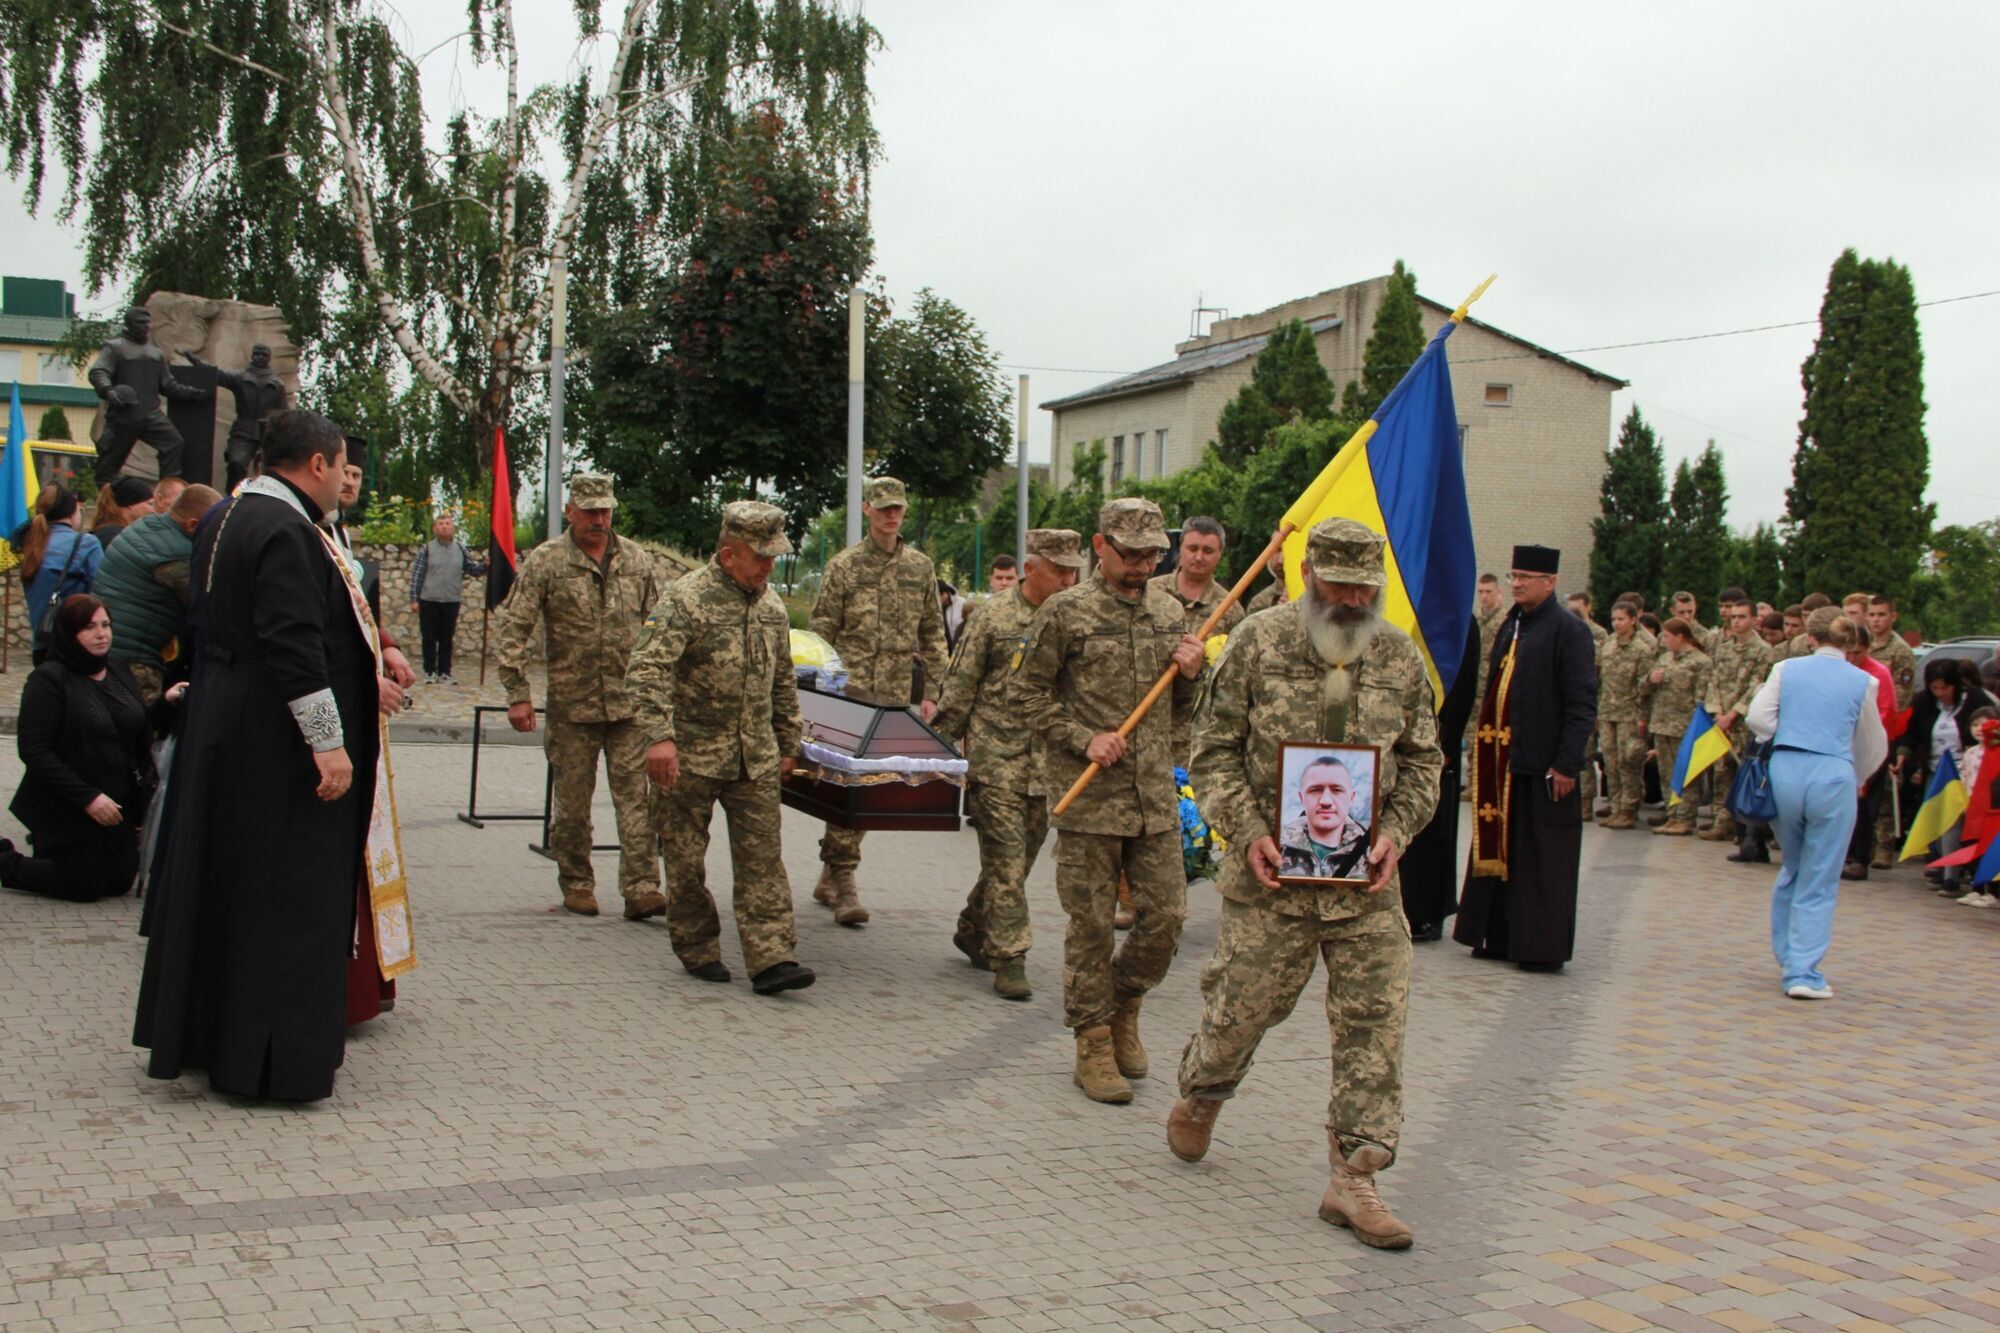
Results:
<point x="1534" y="425"/>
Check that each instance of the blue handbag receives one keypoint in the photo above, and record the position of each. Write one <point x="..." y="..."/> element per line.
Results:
<point x="1750" y="798"/>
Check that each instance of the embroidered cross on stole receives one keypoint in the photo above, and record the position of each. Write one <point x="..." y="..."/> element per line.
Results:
<point x="1492" y="781"/>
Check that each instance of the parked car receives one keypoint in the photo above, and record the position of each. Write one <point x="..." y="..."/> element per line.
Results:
<point x="1974" y="648"/>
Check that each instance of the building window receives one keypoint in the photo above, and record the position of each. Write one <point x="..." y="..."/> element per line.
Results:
<point x="57" y="370"/>
<point x="1159" y="453"/>
<point x="1499" y="395"/>
<point x="1117" y="459"/>
<point x="1462" y="428"/>
<point x="10" y="365"/>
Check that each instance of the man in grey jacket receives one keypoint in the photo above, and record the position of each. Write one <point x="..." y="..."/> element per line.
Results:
<point x="437" y="586"/>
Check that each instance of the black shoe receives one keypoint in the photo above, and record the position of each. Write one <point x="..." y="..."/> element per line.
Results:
<point x="1428" y="933"/>
<point x="1484" y="952"/>
<point x="968" y="944"/>
<point x="1540" y="967"/>
<point x="1854" y="870"/>
<point x="782" y="976"/>
<point x="710" y="971"/>
<point x="1750" y="856"/>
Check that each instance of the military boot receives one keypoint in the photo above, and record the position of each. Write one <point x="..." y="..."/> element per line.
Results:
<point x="966" y="940"/>
<point x="823" y="891"/>
<point x="1010" y="979"/>
<point x="1096" y="1074"/>
<point x="1126" y="1047"/>
<point x="1189" y="1126"/>
<point x="1623" y="819"/>
<point x="1676" y="828"/>
<point x="581" y="901"/>
<point x="1722" y="830"/>
<point x="1882" y="860"/>
<point x="644" y="906"/>
<point x="1351" y="1201"/>
<point x="1655" y="821"/>
<point x="847" y="908"/>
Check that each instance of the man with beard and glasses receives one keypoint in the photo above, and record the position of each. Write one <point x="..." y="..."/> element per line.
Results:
<point x="1527" y="832"/>
<point x="1326" y="670"/>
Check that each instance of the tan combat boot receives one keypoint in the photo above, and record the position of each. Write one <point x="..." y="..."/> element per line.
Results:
<point x="847" y="908"/>
<point x="581" y="901"/>
<point x="1622" y="819"/>
<point x="1351" y="1201"/>
<point x="1722" y="830"/>
<point x="1126" y="1047"/>
<point x="823" y="891"/>
<point x="1882" y="860"/>
<point x="1189" y="1126"/>
<point x="1096" y="1074"/>
<point x="1676" y="828"/>
<point x="645" y="905"/>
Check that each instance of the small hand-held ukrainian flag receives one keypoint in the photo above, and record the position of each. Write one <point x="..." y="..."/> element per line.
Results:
<point x="1403" y="475"/>
<point x="1944" y="802"/>
<point x="1701" y="746"/>
<point x="17" y="479"/>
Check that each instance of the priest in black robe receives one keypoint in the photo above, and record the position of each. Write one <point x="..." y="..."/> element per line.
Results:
<point x="1527" y="838"/>
<point x="1429" y="868"/>
<point x="247" y="960"/>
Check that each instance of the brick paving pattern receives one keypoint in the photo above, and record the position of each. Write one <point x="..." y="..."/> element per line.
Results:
<point x="558" y="1129"/>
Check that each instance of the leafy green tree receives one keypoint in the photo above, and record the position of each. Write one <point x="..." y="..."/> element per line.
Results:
<point x="1287" y="383"/>
<point x="1855" y="510"/>
<point x="1394" y="346"/>
<point x="944" y="421"/>
<point x="280" y="150"/>
<point x="54" y="424"/>
<point x="1755" y="563"/>
<point x="1075" y="506"/>
<point x="1210" y="487"/>
<point x="1959" y="590"/>
<point x="1626" y="553"/>
<point x="1273" y="480"/>
<point x="1697" y="536"/>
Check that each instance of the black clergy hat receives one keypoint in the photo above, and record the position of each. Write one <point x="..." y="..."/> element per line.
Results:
<point x="357" y="450"/>
<point x="1537" y="559"/>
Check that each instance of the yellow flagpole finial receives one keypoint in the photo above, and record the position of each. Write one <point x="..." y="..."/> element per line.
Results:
<point x="1458" y="315"/>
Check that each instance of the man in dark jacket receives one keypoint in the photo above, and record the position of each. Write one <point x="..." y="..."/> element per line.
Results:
<point x="1539" y="708"/>
<point x="143" y="582"/>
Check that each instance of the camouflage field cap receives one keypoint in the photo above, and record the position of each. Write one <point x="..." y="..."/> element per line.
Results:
<point x="1134" y="523"/>
<point x="1341" y="550"/>
<point x="760" y="526"/>
<point x="1058" y="546"/>
<point x="884" y="493"/>
<point x="591" y="490"/>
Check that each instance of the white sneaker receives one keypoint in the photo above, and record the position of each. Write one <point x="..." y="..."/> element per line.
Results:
<point x="1979" y="900"/>
<point x="1801" y="991"/>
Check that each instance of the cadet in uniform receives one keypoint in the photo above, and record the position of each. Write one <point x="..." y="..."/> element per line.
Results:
<point x="718" y="712"/>
<point x="1679" y="681"/>
<point x="878" y="607"/>
<point x="1887" y="647"/>
<point x="1004" y="798"/>
<point x="1273" y="593"/>
<point x="592" y="594"/>
<point x="1193" y="585"/>
<point x="1624" y="660"/>
<point x="1093" y="653"/>
<point x="1330" y="671"/>
<point x="1741" y="662"/>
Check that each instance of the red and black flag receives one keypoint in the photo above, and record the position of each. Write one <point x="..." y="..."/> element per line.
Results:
<point x="501" y="562"/>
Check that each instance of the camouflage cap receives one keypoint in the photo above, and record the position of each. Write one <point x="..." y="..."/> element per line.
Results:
<point x="1341" y="550"/>
<point x="591" y="490"/>
<point x="758" y="525"/>
<point x="1058" y="546"/>
<point x="884" y="493"/>
<point x="1134" y="523"/>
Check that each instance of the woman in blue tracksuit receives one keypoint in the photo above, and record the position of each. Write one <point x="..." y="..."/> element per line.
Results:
<point x="1819" y="713"/>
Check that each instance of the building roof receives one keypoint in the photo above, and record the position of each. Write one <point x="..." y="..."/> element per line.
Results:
<point x="63" y="395"/>
<point x="1186" y="366"/>
<point x="1536" y="348"/>
<point x="38" y="330"/>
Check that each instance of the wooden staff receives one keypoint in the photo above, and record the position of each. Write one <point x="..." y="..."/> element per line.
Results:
<point x="1276" y="544"/>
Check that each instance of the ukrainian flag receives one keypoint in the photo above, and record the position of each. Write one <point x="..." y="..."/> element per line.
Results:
<point x="1944" y="802"/>
<point x="1403" y="475"/>
<point x="1701" y="746"/>
<point x="18" y="488"/>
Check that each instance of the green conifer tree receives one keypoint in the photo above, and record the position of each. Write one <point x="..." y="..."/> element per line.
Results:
<point x="1393" y="347"/>
<point x="1697" y="537"/>
<point x="54" y="425"/>
<point x="1625" y="554"/>
<point x="1287" y="383"/>
<point x="1755" y="563"/>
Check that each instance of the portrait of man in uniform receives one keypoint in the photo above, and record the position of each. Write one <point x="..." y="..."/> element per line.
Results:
<point x="1326" y="813"/>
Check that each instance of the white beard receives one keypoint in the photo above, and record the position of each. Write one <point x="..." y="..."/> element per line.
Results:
<point x="1338" y="643"/>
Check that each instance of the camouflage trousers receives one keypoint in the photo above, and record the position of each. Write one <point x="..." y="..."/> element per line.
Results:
<point x="1263" y="960"/>
<point x="762" y="889"/>
<point x="1012" y="826"/>
<point x="572" y="749"/>
<point x="840" y="848"/>
<point x="1624" y="765"/>
<point x="1096" y="969"/>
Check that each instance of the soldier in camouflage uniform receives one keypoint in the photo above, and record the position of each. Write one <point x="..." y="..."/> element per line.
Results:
<point x="878" y="607"/>
<point x="1684" y="605"/>
<point x="1004" y="798"/>
<point x="1887" y="647"/>
<point x="1193" y="585"/>
<point x="1328" y="671"/>
<point x="1624" y="660"/>
<point x="1579" y="606"/>
<point x="1741" y="662"/>
<point x="1273" y="593"/>
<point x="1679" y="681"/>
<point x="718" y="711"/>
<point x="1093" y="653"/>
<point x="592" y="594"/>
<point x="1489" y="612"/>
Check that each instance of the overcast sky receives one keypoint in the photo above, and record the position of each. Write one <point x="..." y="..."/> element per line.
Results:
<point x="1074" y="172"/>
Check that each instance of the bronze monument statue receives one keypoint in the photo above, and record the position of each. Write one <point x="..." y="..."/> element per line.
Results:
<point x="259" y="394"/>
<point x="131" y="375"/>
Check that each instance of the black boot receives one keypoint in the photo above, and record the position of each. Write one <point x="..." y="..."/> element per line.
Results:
<point x="710" y="971"/>
<point x="782" y="977"/>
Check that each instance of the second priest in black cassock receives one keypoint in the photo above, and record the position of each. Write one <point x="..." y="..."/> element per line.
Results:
<point x="246" y="964"/>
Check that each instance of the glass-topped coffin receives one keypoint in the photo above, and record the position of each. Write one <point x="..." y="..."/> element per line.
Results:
<point x="872" y="764"/>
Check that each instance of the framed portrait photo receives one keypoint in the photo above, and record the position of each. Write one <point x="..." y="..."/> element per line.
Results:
<point x="1327" y="798"/>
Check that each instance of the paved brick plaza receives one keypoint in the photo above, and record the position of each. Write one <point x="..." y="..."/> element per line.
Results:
<point x="558" y="1129"/>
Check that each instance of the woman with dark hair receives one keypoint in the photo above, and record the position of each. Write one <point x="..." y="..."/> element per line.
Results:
<point x="57" y="561"/>
<point x="86" y="741"/>
<point x="1941" y="722"/>
<point x="119" y="505"/>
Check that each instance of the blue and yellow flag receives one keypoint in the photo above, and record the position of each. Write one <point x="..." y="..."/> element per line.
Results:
<point x="17" y="479"/>
<point x="1701" y="745"/>
<point x="1403" y="474"/>
<point x="1944" y="802"/>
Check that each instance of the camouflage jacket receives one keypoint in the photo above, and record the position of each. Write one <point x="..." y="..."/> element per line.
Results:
<point x="591" y="617"/>
<point x="1622" y="668"/>
<point x="1892" y="652"/>
<point x="1673" y="699"/>
<point x="1300" y="854"/>
<point x="1598" y="634"/>
<point x="1800" y="646"/>
<point x="1198" y="612"/>
<point x="880" y="612"/>
<point x="977" y="710"/>
<point x="1091" y="657"/>
<point x="1489" y="631"/>
<point x="1739" y="668"/>
<point x="1265" y="690"/>
<point x="713" y="674"/>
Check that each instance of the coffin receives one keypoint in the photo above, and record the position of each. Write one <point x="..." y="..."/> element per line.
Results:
<point x="870" y="764"/>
